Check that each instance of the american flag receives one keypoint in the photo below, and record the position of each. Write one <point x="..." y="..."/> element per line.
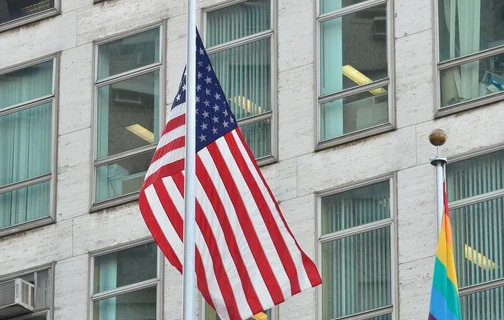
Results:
<point x="247" y="259"/>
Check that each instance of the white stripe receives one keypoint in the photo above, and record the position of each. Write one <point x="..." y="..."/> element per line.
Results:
<point x="164" y="223"/>
<point x="171" y="135"/>
<point x="213" y="285"/>
<point x="304" y="281"/>
<point x="227" y="260"/>
<point x="256" y="218"/>
<point x="177" y="111"/>
<point x="246" y="254"/>
<point x="168" y="158"/>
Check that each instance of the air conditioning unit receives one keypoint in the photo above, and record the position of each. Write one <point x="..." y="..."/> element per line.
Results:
<point x="16" y="298"/>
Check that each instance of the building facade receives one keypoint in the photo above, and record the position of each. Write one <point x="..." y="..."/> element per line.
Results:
<point x="336" y="99"/>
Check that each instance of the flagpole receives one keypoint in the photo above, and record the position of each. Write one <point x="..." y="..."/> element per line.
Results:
<point x="437" y="138"/>
<point x="190" y="167"/>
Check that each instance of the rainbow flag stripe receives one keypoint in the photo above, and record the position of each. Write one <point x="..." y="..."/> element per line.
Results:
<point x="444" y="302"/>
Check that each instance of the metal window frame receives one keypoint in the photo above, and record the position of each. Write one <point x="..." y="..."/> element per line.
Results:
<point x="270" y="34"/>
<point x="51" y="271"/>
<point x="390" y="222"/>
<point x="439" y="66"/>
<point x="154" y="67"/>
<point x="56" y="10"/>
<point x="389" y="81"/>
<point x="157" y="282"/>
<point x="52" y="176"/>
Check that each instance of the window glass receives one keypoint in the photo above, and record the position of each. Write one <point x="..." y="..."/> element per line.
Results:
<point x="136" y="305"/>
<point x="15" y="9"/>
<point x="128" y="53"/>
<point x="238" y="21"/>
<point x="327" y="6"/>
<point x="484" y="305"/>
<point x="257" y="135"/>
<point x="467" y="27"/>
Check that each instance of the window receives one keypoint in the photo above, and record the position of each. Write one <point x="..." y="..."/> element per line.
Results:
<point x="210" y="314"/>
<point x="354" y="70"/>
<point x="128" y="113"/>
<point x="42" y="279"/>
<point x="356" y="253"/>
<point x="126" y="285"/>
<point x="475" y="189"/>
<point x="27" y="112"/>
<point x="471" y="52"/>
<point x="16" y="12"/>
<point x="239" y="40"/>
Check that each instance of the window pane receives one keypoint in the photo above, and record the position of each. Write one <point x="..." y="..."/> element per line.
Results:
<point x="245" y="76"/>
<point x="210" y="314"/>
<point x="466" y="27"/>
<point x="475" y="176"/>
<point x="355" y="207"/>
<point x="354" y="113"/>
<point x="125" y="267"/>
<point x="353" y="50"/>
<point x="128" y="114"/>
<point x="356" y="274"/>
<point x="485" y="305"/>
<point x="122" y="177"/>
<point x="137" y="305"/>
<point x="257" y="135"/>
<point x="327" y="6"/>
<point x="26" y="84"/>
<point x="42" y="290"/>
<point x="128" y="53"/>
<point x="472" y="80"/>
<point x="478" y="242"/>
<point x="238" y="21"/>
<point x="25" y="141"/>
<point x="25" y="204"/>
<point x="15" y="9"/>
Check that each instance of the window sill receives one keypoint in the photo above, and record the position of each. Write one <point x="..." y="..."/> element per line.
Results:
<point x="354" y="136"/>
<point x="26" y="226"/>
<point x="107" y="204"/>
<point x="26" y="20"/>
<point x="262" y="162"/>
<point x="467" y="105"/>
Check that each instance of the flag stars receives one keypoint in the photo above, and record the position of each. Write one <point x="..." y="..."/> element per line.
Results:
<point x="231" y="119"/>
<point x="178" y="97"/>
<point x="201" y="51"/>
<point x="202" y="137"/>
<point x="225" y="113"/>
<point x="225" y="124"/>
<point x="198" y="87"/>
<point x="207" y="91"/>
<point x="204" y="126"/>
<point x="216" y="108"/>
<point x="207" y="103"/>
<point x="184" y="87"/>
<point x="208" y="68"/>
<point x="217" y="96"/>
<point x="208" y="80"/>
<point x="214" y="130"/>
<point x="206" y="114"/>
<point x="200" y="64"/>
<point x="215" y="119"/>
<point x="200" y="75"/>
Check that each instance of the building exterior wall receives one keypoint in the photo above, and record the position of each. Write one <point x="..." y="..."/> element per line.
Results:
<point x="295" y="179"/>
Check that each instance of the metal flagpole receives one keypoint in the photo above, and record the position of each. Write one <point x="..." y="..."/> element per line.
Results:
<point x="438" y="138"/>
<point x="190" y="167"/>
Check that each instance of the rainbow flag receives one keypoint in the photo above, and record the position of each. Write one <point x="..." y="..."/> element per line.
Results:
<point x="444" y="302"/>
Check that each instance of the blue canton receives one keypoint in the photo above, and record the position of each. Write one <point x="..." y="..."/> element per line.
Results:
<point x="213" y="115"/>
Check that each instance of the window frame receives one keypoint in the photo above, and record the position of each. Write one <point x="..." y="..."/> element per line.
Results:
<point x="48" y="312"/>
<point x="51" y="177"/>
<point x="158" y="282"/>
<point x="390" y="81"/>
<point x="96" y="84"/>
<point x="487" y="285"/>
<point x="391" y="222"/>
<point x="11" y="24"/>
<point x="270" y="34"/>
<point x="439" y="66"/>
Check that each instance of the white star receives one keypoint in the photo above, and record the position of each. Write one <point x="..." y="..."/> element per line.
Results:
<point x="197" y="99"/>
<point x="207" y="103"/>
<point x="202" y="138"/>
<point x="216" y="108"/>
<point x="214" y="130"/>
<point x="215" y="119"/>
<point x="201" y="51"/>
<point x="178" y="97"/>
<point x="209" y="68"/>
<point x="208" y="80"/>
<point x="225" y="124"/>
<point x="225" y="113"/>
<point x="205" y="114"/>
<point x="200" y="75"/>
<point x="198" y="87"/>
<point x="217" y="96"/>
<point x="204" y="126"/>
<point x="196" y="111"/>
<point x="184" y="87"/>
<point x="207" y="91"/>
<point x="200" y="63"/>
<point x="231" y="119"/>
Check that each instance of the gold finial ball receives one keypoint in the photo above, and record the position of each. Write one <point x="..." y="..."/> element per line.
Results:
<point x="437" y="137"/>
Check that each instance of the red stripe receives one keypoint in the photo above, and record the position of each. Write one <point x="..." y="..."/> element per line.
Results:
<point x="165" y="171"/>
<point x="172" y="145"/>
<point x="201" y="279"/>
<point x="174" y="123"/>
<point x="229" y="236"/>
<point x="157" y="233"/>
<point x="309" y="266"/>
<point x="246" y="225"/>
<point x="218" y="267"/>
<point x="170" y="209"/>
<point x="264" y="210"/>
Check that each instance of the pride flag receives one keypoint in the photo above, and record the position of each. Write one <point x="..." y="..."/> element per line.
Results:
<point x="444" y="302"/>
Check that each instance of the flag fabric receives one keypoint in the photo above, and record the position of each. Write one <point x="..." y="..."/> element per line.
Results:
<point x="247" y="259"/>
<point x="444" y="302"/>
